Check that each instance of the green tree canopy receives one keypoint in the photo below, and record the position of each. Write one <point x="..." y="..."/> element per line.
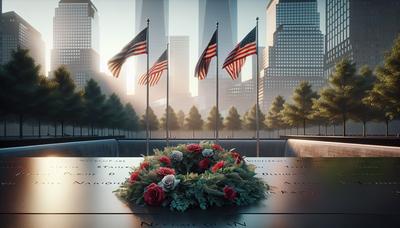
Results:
<point x="233" y="121"/>
<point x="301" y="108"/>
<point x="116" y="110"/>
<point x="385" y="94"/>
<point x="153" y="121"/>
<point x="93" y="100"/>
<point x="274" y="118"/>
<point x="193" y="120"/>
<point x="172" y="120"/>
<point x="337" y="98"/>
<point x="132" y="120"/>
<point x="20" y="82"/>
<point x="249" y="119"/>
<point x="212" y="119"/>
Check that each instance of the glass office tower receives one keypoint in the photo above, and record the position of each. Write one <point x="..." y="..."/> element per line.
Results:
<point x="297" y="50"/>
<point x="360" y="30"/>
<point x="76" y="39"/>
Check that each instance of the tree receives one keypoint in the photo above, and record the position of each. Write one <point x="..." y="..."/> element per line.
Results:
<point x="115" y="109"/>
<point x="290" y="116"/>
<point x="385" y="94"/>
<point x="93" y="101"/>
<point x="194" y="121"/>
<point x="318" y="117"/>
<point x="363" y="111"/>
<point x="21" y="82"/>
<point x="274" y="118"/>
<point x="172" y="120"/>
<point x="44" y="101"/>
<point x="132" y="120"/>
<point x="233" y="121"/>
<point x="213" y="115"/>
<point x="181" y="119"/>
<point x="66" y="99"/>
<point x="302" y="104"/>
<point x="337" y="98"/>
<point x="153" y="121"/>
<point x="249" y="119"/>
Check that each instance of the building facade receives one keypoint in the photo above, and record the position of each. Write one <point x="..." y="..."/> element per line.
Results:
<point x="297" y="51"/>
<point x="360" y="30"/>
<point x="225" y="13"/>
<point x="157" y="12"/>
<point x="76" y="40"/>
<point x="17" y="33"/>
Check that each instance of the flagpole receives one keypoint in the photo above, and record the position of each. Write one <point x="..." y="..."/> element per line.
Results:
<point x="167" y="112"/>
<point x="257" y="92"/>
<point x="147" y="91"/>
<point x="217" y="94"/>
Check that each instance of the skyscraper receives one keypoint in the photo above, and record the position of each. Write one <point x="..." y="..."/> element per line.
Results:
<point x="157" y="12"/>
<point x="76" y="40"/>
<point x="17" y="33"/>
<point x="297" y="50"/>
<point x="361" y="30"/>
<point x="210" y="12"/>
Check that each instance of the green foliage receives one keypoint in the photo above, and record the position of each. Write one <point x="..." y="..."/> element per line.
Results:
<point x="132" y="120"/>
<point x="300" y="110"/>
<point x="249" y="119"/>
<point x="94" y="103"/>
<point x="172" y="120"/>
<point x="274" y="118"/>
<point x="385" y="94"/>
<point x="193" y="120"/>
<point x="233" y="121"/>
<point x="337" y="99"/>
<point x="153" y="121"/>
<point x="212" y="117"/>
<point x="198" y="187"/>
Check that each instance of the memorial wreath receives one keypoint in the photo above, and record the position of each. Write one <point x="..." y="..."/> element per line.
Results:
<point x="194" y="175"/>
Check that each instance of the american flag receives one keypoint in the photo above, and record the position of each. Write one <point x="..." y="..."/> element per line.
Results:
<point x="236" y="59"/>
<point x="205" y="59"/>
<point x="156" y="70"/>
<point x="137" y="46"/>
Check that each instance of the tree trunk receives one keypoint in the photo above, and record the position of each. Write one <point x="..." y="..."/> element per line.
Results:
<point x="81" y="131"/>
<point x="364" y="128"/>
<point x="113" y="131"/>
<point x="21" y="122"/>
<point x="304" y="126"/>
<point x="297" y="130"/>
<point x="73" y="129"/>
<point x="344" y="124"/>
<point x="326" y="129"/>
<point x="62" y="128"/>
<point x="40" y="130"/>
<point x="334" y="129"/>
<point x="387" y="127"/>
<point x="55" y="129"/>
<point x="319" y="129"/>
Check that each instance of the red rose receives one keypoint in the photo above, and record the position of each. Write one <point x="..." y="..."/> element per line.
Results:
<point x="216" y="147"/>
<point x="217" y="166"/>
<point x="144" y="165"/>
<point x="196" y="148"/>
<point x="154" y="195"/>
<point x="230" y="193"/>
<point x="165" y="160"/>
<point x="134" y="176"/>
<point x="163" y="171"/>
<point x="204" y="164"/>
<point x="238" y="158"/>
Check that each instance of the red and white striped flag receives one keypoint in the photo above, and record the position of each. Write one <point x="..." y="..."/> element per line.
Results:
<point x="236" y="59"/>
<point x="156" y="70"/>
<point x="205" y="59"/>
<point x="137" y="46"/>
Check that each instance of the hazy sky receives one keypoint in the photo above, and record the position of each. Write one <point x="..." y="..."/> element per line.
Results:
<point x="116" y="19"/>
